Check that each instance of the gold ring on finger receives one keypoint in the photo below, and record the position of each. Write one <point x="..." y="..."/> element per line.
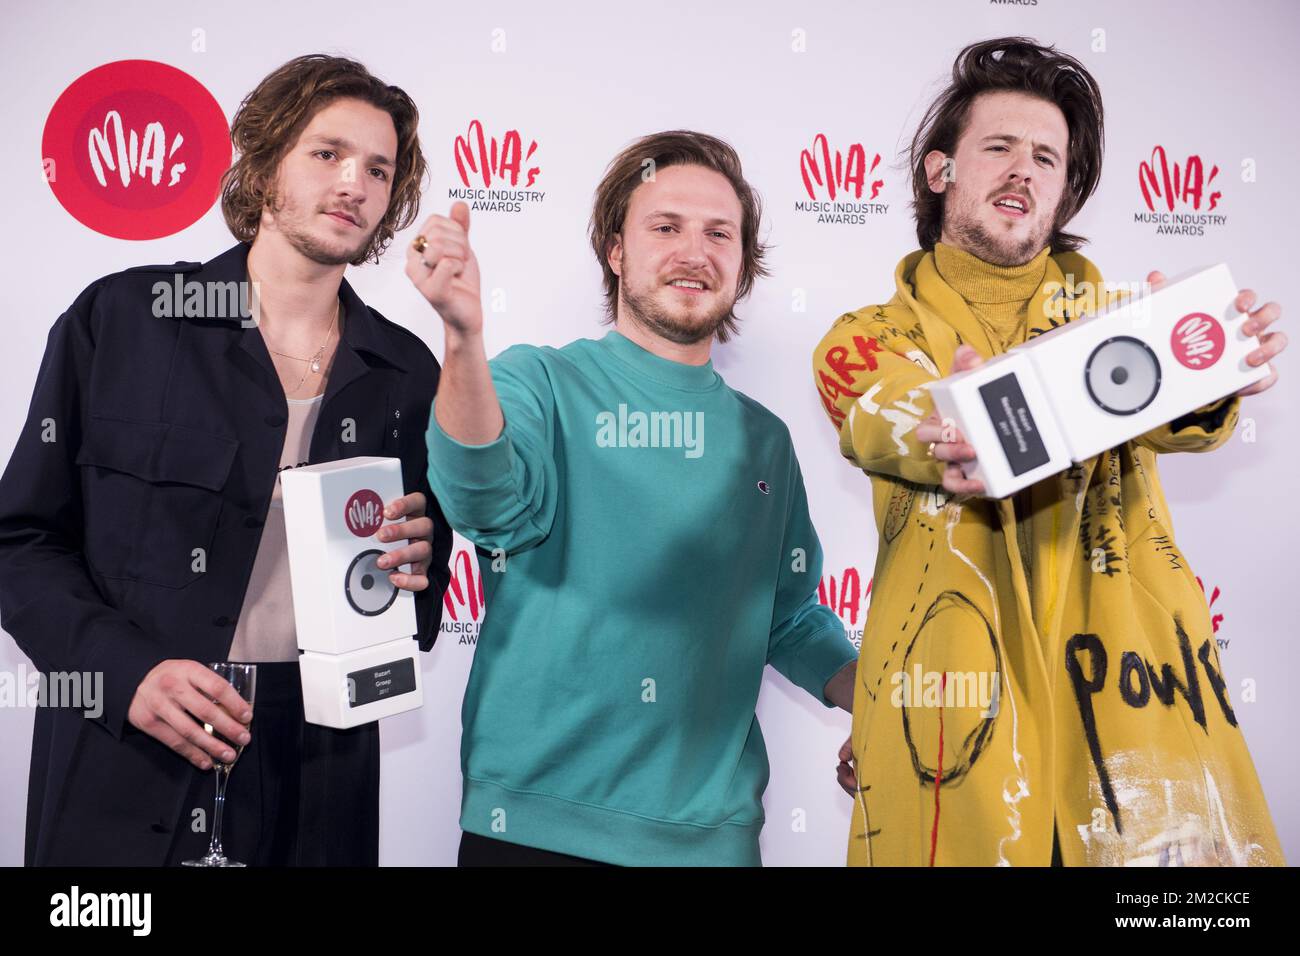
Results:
<point x="420" y="244"/>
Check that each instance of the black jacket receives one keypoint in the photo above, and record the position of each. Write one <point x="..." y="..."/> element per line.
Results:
<point x="148" y="437"/>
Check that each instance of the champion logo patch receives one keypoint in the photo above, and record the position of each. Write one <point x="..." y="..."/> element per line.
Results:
<point x="764" y="487"/>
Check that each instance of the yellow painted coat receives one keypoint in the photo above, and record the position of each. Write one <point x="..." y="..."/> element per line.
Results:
<point x="999" y="692"/>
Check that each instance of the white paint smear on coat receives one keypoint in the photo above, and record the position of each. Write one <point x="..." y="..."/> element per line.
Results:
<point x="1173" y="815"/>
<point x="1019" y="778"/>
<point x="903" y="413"/>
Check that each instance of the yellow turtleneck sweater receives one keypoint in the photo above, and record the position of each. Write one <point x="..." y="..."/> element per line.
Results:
<point x="998" y="297"/>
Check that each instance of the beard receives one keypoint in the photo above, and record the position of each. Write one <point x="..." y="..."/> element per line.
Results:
<point x="964" y="225"/>
<point x="293" y="223"/>
<point x="647" y="312"/>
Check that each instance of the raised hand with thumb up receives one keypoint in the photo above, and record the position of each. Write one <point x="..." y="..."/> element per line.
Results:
<point x="443" y="267"/>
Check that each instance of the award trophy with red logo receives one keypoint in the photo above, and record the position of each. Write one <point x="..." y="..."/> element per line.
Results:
<point x="356" y="653"/>
<point x="1096" y="382"/>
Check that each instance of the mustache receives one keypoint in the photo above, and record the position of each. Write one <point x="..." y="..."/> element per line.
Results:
<point x="353" y="214"/>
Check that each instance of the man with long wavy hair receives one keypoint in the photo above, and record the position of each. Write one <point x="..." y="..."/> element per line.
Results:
<point x="1104" y="733"/>
<point x="148" y="539"/>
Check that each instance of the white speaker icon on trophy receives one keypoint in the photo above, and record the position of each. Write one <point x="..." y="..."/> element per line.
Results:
<point x="356" y="654"/>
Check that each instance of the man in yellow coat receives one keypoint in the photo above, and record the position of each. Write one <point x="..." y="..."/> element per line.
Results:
<point x="1038" y="680"/>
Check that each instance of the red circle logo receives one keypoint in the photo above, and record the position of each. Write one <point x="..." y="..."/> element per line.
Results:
<point x="364" y="513"/>
<point x="1197" y="340"/>
<point x="136" y="149"/>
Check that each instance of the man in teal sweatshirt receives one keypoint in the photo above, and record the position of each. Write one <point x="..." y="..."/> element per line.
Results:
<point x="643" y="533"/>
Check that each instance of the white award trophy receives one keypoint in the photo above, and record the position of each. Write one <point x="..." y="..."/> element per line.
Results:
<point x="356" y="653"/>
<point x="1099" y="381"/>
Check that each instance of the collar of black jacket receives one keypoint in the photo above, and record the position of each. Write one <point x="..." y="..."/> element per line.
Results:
<point x="361" y="329"/>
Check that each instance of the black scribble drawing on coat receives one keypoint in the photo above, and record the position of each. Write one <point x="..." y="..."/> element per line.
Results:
<point x="978" y="737"/>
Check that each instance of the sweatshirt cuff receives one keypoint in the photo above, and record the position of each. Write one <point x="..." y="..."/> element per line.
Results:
<point x="474" y="466"/>
<point x="822" y="656"/>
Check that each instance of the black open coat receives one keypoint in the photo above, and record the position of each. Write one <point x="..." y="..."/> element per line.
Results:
<point x="149" y="437"/>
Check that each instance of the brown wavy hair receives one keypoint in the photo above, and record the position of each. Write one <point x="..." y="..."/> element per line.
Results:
<point x="1019" y="65"/>
<point x="675" y="148"/>
<point x="271" y="118"/>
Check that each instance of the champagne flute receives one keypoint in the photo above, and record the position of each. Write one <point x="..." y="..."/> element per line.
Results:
<point x="243" y="677"/>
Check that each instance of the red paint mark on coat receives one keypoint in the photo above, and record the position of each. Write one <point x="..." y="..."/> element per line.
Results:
<point x="938" y="771"/>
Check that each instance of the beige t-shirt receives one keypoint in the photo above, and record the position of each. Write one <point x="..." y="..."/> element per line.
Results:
<point x="265" y="630"/>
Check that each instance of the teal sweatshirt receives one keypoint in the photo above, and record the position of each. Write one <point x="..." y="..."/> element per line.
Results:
<point x="646" y="549"/>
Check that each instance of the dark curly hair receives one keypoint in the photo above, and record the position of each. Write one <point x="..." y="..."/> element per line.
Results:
<point x="1019" y="65"/>
<point x="271" y="118"/>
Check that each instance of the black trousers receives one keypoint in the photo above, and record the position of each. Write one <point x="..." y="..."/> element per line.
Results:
<point x="478" y="850"/>
<point x="299" y="795"/>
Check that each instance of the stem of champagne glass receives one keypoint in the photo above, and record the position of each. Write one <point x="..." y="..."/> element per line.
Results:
<point x="214" y="847"/>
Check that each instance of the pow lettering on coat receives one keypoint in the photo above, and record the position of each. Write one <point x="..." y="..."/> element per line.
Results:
<point x="1139" y="681"/>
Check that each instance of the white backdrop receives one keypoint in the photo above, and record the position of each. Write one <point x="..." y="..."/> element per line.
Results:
<point x="1202" y="79"/>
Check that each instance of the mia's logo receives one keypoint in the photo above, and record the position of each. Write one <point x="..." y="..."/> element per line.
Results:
<point x="464" y="592"/>
<point x="364" y="513"/>
<point x="490" y="171"/>
<point x="848" y="599"/>
<point x="835" y="182"/>
<point x="848" y="175"/>
<point x="135" y="149"/>
<point x="491" y="161"/>
<point x="1179" y="197"/>
<point x="1176" y="183"/>
<point x="764" y="487"/>
<point x="1215" y="619"/>
<point x="1197" y="340"/>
